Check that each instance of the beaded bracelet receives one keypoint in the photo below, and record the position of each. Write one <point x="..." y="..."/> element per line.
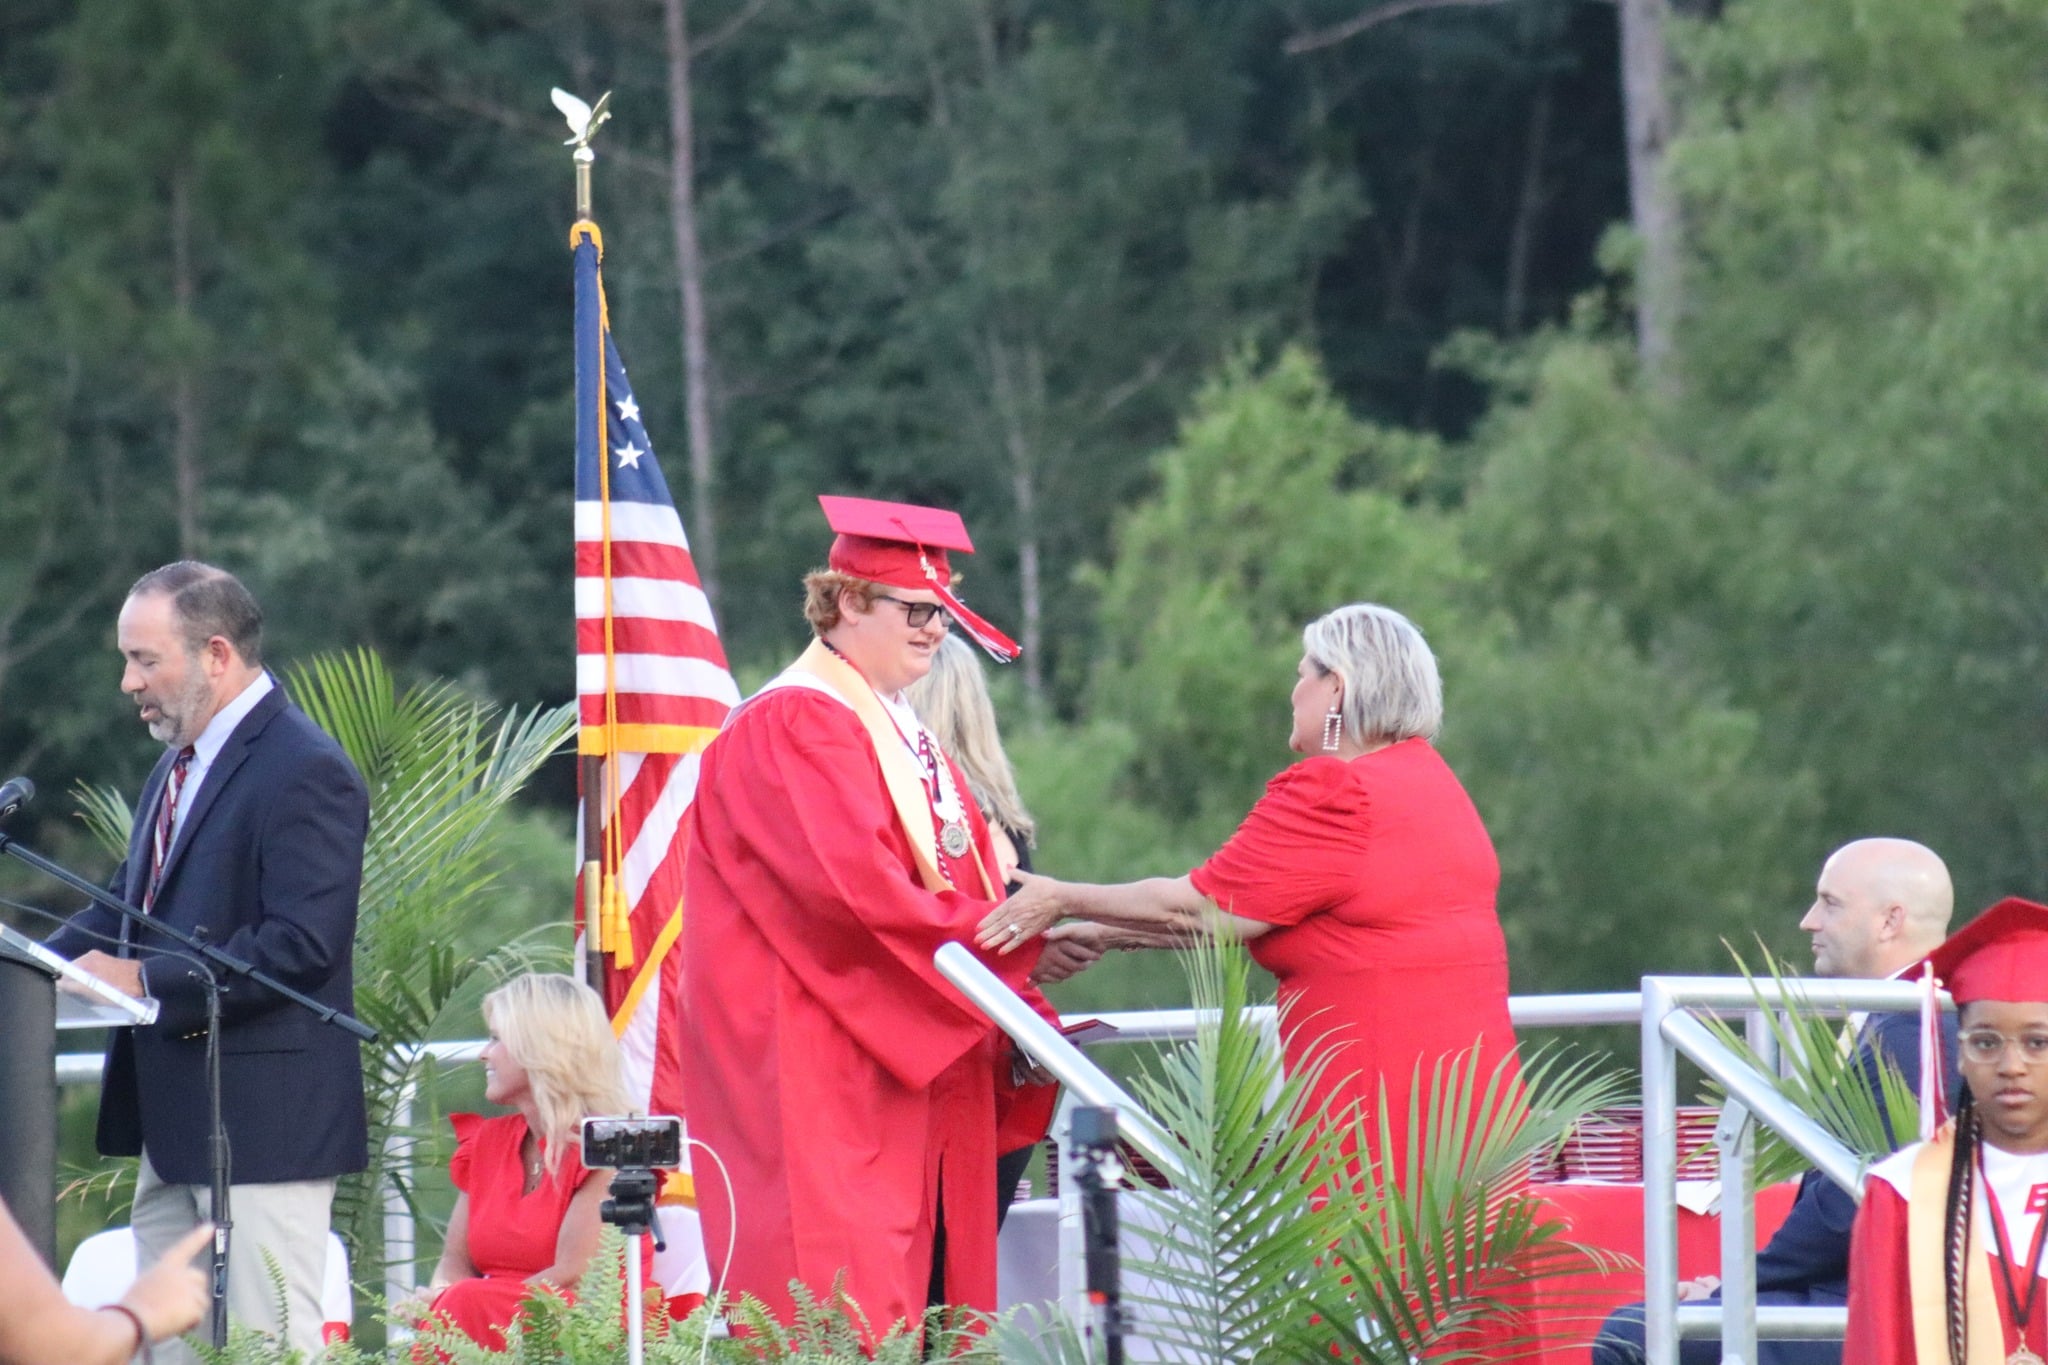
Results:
<point x="142" y="1341"/>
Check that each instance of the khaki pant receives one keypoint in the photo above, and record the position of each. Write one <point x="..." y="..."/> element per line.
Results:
<point x="288" y="1219"/>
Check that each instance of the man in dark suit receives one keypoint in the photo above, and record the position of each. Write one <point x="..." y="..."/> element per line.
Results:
<point x="249" y="834"/>
<point x="1880" y="906"/>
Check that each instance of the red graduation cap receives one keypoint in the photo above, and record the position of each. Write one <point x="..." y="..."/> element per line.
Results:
<point x="2000" y="955"/>
<point x="904" y="546"/>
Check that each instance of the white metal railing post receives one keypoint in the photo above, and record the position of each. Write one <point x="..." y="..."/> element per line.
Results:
<point x="1071" y="1246"/>
<point x="1735" y="1135"/>
<point x="401" y="1236"/>
<point x="1762" y="1037"/>
<point x="1660" y="1179"/>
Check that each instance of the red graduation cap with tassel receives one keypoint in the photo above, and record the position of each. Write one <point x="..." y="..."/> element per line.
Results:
<point x="902" y="545"/>
<point x="2000" y="955"/>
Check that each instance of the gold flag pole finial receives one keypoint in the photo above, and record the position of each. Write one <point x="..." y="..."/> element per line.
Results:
<point x="584" y="120"/>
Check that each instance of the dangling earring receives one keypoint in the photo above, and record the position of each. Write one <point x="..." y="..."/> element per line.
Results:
<point x="1333" y="729"/>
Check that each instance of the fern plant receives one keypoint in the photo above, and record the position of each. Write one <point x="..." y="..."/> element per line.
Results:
<point x="827" y="1329"/>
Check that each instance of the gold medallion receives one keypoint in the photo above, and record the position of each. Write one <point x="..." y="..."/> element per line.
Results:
<point x="953" y="838"/>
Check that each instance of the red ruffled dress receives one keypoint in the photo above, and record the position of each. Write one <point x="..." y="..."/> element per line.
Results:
<point x="1379" y="880"/>
<point x="512" y="1234"/>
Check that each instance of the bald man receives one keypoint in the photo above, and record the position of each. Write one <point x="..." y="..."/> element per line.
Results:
<point x="1879" y="907"/>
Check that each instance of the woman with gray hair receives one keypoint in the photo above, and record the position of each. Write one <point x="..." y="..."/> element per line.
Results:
<point x="1363" y="880"/>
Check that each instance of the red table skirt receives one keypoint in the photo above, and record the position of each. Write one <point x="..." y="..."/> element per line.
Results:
<point x="1610" y="1217"/>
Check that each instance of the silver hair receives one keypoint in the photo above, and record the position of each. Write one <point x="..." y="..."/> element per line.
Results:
<point x="1391" y="688"/>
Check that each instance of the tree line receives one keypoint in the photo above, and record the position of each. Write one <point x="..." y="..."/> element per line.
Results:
<point x="1206" y="315"/>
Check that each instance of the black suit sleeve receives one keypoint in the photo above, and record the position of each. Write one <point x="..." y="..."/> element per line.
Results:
<point x="308" y="874"/>
<point x="93" y="927"/>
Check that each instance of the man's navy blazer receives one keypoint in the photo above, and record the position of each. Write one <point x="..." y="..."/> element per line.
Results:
<point x="267" y="865"/>
<point x="1809" y="1253"/>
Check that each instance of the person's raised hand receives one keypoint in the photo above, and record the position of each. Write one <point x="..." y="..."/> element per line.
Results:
<point x="170" y="1297"/>
<point x="1692" y="1291"/>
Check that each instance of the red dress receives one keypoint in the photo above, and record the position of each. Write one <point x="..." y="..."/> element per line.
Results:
<point x="1380" y="880"/>
<point x="512" y="1234"/>
<point x="848" y="1087"/>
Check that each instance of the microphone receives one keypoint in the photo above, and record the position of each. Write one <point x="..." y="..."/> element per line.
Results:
<point x="15" y="793"/>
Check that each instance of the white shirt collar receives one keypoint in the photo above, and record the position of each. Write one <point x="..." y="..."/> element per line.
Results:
<point x="208" y="746"/>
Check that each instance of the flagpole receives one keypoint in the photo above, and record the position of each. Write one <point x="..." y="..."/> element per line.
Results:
<point x="584" y="121"/>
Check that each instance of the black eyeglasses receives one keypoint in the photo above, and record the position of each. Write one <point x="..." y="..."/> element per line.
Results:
<point x="918" y="614"/>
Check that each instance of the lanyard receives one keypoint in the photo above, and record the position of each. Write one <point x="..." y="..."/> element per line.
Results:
<point x="2022" y="1310"/>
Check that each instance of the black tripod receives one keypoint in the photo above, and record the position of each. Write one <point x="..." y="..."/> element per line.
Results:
<point x="631" y="1211"/>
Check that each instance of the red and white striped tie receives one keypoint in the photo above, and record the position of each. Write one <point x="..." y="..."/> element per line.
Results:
<point x="166" y="825"/>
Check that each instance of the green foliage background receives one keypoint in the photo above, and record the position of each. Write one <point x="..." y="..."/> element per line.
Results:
<point x="1229" y="335"/>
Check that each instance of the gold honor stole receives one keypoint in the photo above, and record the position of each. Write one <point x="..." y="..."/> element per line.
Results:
<point x="907" y="790"/>
<point x="1925" y="1214"/>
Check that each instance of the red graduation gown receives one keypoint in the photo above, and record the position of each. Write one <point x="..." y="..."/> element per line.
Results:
<point x="847" y="1086"/>
<point x="1881" y="1314"/>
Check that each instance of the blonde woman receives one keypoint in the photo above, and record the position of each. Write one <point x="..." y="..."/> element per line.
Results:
<point x="526" y="1219"/>
<point x="953" y="702"/>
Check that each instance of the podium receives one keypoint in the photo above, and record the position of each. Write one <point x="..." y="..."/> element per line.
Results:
<point x="32" y="1010"/>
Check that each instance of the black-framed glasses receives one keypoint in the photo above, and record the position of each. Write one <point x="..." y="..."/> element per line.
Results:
<point x="1988" y="1045"/>
<point x="918" y="614"/>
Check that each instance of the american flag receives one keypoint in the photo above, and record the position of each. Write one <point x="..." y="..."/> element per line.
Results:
<point x="652" y="687"/>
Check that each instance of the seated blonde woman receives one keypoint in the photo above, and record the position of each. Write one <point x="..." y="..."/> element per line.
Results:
<point x="526" y="1219"/>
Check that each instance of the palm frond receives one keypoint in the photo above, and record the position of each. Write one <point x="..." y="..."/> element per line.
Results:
<point x="441" y="768"/>
<point x="1439" y="1253"/>
<point x="1278" y="1247"/>
<point x="106" y="815"/>
<point x="1818" y="1069"/>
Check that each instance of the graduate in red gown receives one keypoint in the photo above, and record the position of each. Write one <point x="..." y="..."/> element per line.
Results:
<point x="1945" y="1259"/>
<point x="526" y="1218"/>
<point x="1363" y="879"/>
<point x="849" y="1089"/>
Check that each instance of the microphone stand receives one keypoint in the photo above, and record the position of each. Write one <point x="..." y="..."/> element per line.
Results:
<point x="217" y="1143"/>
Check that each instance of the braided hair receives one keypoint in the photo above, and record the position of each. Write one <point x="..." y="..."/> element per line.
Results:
<point x="1955" y="1232"/>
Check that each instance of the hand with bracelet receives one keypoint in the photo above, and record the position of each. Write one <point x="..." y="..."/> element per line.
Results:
<point x="170" y="1297"/>
<point x="38" y="1326"/>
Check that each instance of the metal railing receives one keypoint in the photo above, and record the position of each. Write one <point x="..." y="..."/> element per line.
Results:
<point x="1669" y="1030"/>
<point x="1665" y="1012"/>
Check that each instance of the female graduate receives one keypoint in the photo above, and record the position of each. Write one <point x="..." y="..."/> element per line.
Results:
<point x="1945" y="1260"/>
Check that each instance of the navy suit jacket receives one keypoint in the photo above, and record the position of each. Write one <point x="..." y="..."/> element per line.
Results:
<point x="1809" y="1254"/>
<point x="267" y="865"/>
